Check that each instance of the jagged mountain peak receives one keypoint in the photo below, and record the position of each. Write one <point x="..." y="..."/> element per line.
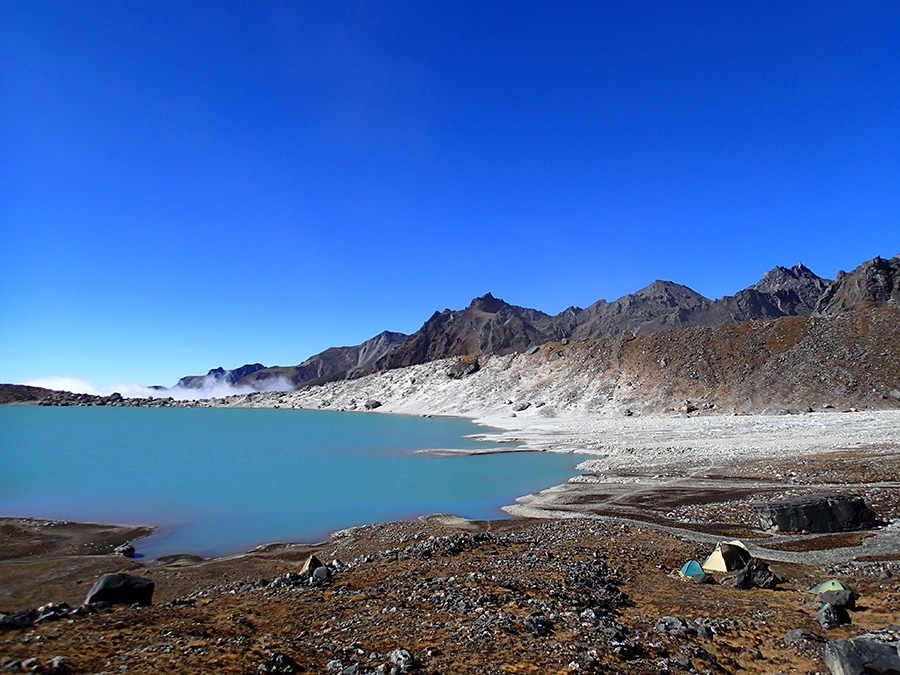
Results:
<point x="793" y="278"/>
<point x="488" y="303"/>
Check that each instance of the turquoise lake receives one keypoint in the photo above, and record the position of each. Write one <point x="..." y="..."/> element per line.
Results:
<point x="219" y="481"/>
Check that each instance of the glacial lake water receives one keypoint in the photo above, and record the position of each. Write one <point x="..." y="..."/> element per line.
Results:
<point x="219" y="481"/>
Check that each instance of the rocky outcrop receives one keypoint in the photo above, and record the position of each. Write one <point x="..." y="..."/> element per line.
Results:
<point x="874" y="283"/>
<point x="824" y="512"/>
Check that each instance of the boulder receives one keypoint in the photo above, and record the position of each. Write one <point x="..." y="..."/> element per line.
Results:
<point x="125" y="550"/>
<point x="371" y="404"/>
<point x="857" y="656"/>
<point x="460" y="369"/>
<point x="704" y="579"/>
<point x="845" y="599"/>
<point x="755" y="575"/>
<point x="823" y="512"/>
<point x="311" y="564"/>
<point x="121" y="589"/>
<point x="797" y="636"/>
<point x="832" y="616"/>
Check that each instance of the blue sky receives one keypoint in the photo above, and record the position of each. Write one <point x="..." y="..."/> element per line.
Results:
<point x="188" y="185"/>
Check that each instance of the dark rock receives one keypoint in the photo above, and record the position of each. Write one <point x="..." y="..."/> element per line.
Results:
<point x="321" y="574"/>
<point x="859" y="656"/>
<point x="278" y="664"/>
<point x="460" y="369"/>
<point x="53" y="612"/>
<point x="704" y="579"/>
<point x="31" y="664"/>
<point x="58" y="665"/>
<point x="755" y="575"/>
<point x="800" y="635"/>
<point x="823" y="512"/>
<point x="121" y="589"/>
<point x="832" y="616"/>
<point x="403" y="660"/>
<point x="845" y="599"/>
<point x="539" y="624"/>
<point x="672" y="625"/>
<point x="20" y="619"/>
<point x="311" y="564"/>
<point x="125" y="550"/>
<point x="372" y="404"/>
<point x="522" y="406"/>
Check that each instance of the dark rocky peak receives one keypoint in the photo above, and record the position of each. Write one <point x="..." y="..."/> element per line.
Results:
<point x="218" y="376"/>
<point x="667" y="293"/>
<point x="875" y="282"/>
<point x="799" y="277"/>
<point x="488" y="303"/>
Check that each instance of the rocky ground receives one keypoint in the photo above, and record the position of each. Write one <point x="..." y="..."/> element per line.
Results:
<point x="517" y="596"/>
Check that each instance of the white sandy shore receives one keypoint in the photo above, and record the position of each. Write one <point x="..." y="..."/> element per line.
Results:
<point x="538" y="409"/>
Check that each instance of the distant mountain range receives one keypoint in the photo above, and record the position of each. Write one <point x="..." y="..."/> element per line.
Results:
<point x="490" y="325"/>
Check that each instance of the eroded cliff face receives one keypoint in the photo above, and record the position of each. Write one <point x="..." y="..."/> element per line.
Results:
<point x="874" y="283"/>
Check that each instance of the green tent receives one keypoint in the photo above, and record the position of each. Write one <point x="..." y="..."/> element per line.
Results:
<point x="690" y="569"/>
<point x="830" y="585"/>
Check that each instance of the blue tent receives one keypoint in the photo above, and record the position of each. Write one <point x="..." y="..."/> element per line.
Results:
<point x="691" y="568"/>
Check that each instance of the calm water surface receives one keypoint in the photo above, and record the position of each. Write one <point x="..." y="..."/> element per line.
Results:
<point x="219" y="481"/>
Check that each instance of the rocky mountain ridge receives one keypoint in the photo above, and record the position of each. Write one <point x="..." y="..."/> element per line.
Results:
<point x="491" y="326"/>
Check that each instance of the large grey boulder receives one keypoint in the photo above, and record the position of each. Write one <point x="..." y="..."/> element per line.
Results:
<point x="823" y="512"/>
<point x="756" y="574"/>
<point x="121" y="589"/>
<point x="832" y="616"/>
<point x="862" y="655"/>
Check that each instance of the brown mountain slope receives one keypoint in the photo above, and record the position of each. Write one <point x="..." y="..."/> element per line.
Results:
<point x="492" y="326"/>
<point x="851" y="360"/>
<point x="334" y="363"/>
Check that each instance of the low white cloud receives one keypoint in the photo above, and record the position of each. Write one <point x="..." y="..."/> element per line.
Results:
<point x="212" y="388"/>
<point x="64" y="383"/>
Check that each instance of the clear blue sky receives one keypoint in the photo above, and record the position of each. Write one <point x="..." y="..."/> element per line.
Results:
<point x="185" y="185"/>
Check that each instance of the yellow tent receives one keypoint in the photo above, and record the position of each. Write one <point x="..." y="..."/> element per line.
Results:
<point x="728" y="557"/>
